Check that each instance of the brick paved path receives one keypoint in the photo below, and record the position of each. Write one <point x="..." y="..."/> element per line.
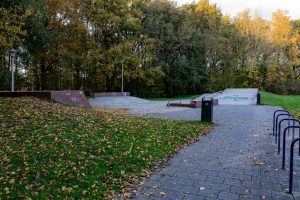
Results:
<point x="237" y="160"/>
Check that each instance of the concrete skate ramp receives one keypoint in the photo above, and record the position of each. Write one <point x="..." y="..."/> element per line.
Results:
<point x="136" y="106"/>
<point x="238" y="96"/>
<point x="71" y="97"/>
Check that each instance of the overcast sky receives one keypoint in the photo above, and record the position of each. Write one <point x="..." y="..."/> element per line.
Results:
<point x="265" y="7"/>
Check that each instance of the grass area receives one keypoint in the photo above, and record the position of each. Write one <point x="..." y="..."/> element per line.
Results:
<point x="176" y="98"/>
<point x="51" y="151"/>
<point x="289" y="102"/>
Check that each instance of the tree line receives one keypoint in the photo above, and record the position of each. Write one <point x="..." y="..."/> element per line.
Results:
<point x="165" y="49"/>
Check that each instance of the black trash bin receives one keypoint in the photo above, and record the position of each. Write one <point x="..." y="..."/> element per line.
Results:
<point x="258" y="99"/>
<point x="207" y="110"/>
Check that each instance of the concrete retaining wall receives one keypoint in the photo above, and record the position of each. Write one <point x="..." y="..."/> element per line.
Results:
<point x="110" y="94"/>
<point x="72" y="97"/>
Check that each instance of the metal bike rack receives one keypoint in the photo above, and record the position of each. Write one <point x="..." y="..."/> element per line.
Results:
<point x="274" y="116"/>
<point x="276" y="123"/>
<point x="292" y="165"/>
<point x="284" y="143"/>
<point x="279" y="130"/>
<point x="277" y="133"/>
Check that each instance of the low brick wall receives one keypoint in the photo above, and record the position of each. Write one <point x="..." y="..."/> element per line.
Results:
<point x="216" y="102"/>
<point x="110" y="94"/>
<point x="72" y="97"/>
<point x="198" y="104"/>
<point x="181" y="105"/>
<point x="193" y="104"/>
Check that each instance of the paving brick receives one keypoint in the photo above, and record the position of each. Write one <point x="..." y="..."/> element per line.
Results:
<point x="251" y="184"/>
<point x="189" y="190"/>
<point x="249" y="197"/>
<point x="281" y="195"/>
<point x="251" y="172"/>
<point x="193" y="197"/>
<point x="240" y="190"/>
<point x="226" y="174"/>
<point x="171" y="195"/>
<point x="243" y="177"/>
<point x="261" y="192"/>
<point x="209" y="193"/>
<point x="170" y="186"/>
<point x="202" y="184"/>
<point x="215" y="179"/>
<point x="210" y="172"/>
<point x="198" y="177"/>
<point x="220" y="187"/>
<point x="228" y="195"/>
<point x="150" y="184"/>
<point x="233" y="182"/>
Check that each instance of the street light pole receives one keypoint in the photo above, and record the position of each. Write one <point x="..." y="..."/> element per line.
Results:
<point x="122" y="89"/>
<point x="13" y="56"/>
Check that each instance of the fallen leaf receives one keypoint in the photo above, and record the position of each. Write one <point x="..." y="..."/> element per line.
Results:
<point x="70" y="189"/>
<point x="202" y="188"/>
<point x="162" y="194"/>
<point x="259" y="163"/>
<point x="127" y="194"/>
<point x="84" y="192"/>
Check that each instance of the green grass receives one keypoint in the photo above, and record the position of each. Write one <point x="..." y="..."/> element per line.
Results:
<point x="51" y="151"/>
<point x="175" y="98"/>
<point x="289" y="102"/>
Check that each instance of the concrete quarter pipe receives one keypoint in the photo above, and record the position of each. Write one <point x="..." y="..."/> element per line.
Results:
<point x="238" y="96"/>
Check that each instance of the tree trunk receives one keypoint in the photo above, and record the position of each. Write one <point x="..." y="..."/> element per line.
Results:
<point x="43" y="74"/>
<point x="77" y="76"/>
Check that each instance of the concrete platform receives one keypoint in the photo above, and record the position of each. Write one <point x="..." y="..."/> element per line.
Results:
<point x="238" y="96"/>
<point x="136" y="106"/>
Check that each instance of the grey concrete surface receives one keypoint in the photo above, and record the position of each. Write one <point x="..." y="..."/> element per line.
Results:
<point x="136" y="105"/>
<point x="237" y="160"/>
<point x="140" y="106"/>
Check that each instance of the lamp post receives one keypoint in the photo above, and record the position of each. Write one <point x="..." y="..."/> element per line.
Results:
<point x="122" y="88"/>
<point x="13" y="57"/>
